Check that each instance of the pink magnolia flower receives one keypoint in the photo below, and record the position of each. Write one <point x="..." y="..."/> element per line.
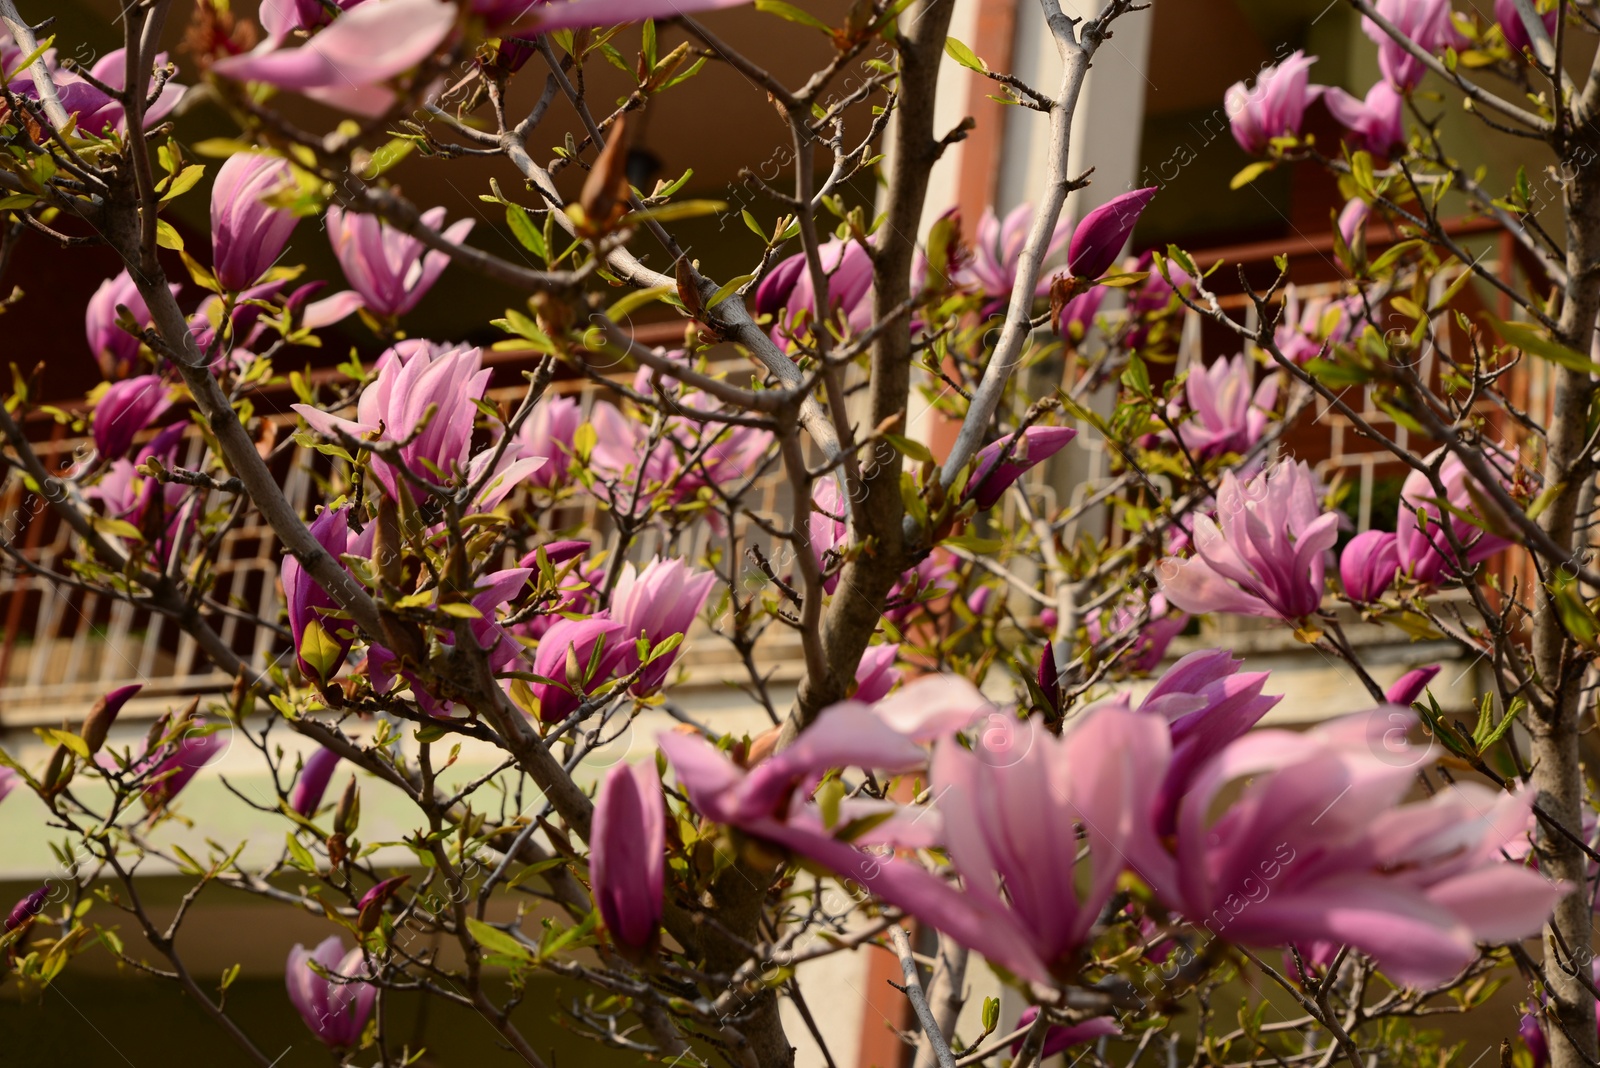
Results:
<point x="691" y="456"/>
<point x="247" y="235"/>
<point x="1275" y="107"/>
<point x="1004" y="815"/>
<point x="309" y="604"/>
<point x="1305" y="329"/>
<point x="282" y="17"/>
<point x="1027" y="901"/>
<point x="126" y="494"/>
<point x="773" y="800"/>
<point x="659" y="602"/>
<point x="1154" y="302"/>
<point x="411" y="377"/>
<point x="1376" y="123"/>
<point x="876" y="675"/>
<point x="116" y="350"/>
<point x="492" y="593"/>
<point x="1408" y="687"/>
<point x="1227" y="416"/>
<point x="306" y="797"/>
<point x="247" y="324"/>
<point x="1319" y="847"/>
<point x="998" y="465"/>
<point x="715" y="454"/>
<point x="1425" y="22"/>
<point x="992" y="268"/>
<point x="575" y="641"/>
<point x="126" y="408"/>
<point x="1368" y="565"/>
<point x="1077" y="315"/>
<point x="933" y="578"/>
<point x="1515" y="30"/>
<point x="93" y="108"/>
<point x="546" y="15"/>
<point x="1060" y="1039"/>
<point x="549" y="432"/>
<point x="8" y="781"/>
<point x="1151" y="643"/>
<point x="1264" y="555"/>
<point x="388" y="268"/>
<point x="1426" y="552"/>
<point x="788" y="295"/>
<point x="627" y="861"/>
<point x="170" y="768"/>
<point x="349" y="64"/>
<point x="336" y="1010"/>
<point x="1352" y="223"/>
<point x="1207" y="704"/>
<point x="830" y="534"/>
<point x="1098" y="238"/>
<point x="578" y="587"/>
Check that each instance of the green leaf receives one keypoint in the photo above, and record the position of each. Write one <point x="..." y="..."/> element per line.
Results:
<point x="1392" y="255"/>
<point x="584" y="439"/>
<point x="728" y="289"/>
<point x="167" y="237"/>
<point x="974" y="543"/>
<point x="300" y="856"/>
<point x="1250" y="173"/>
<point x="68" y="739"/>
<point x="320" y="649"/>
<point x="497" y="942"/>
<point x="1533" y="339"/>
<point x="219" y="147"/>
<point x="387" y="156"/>
<point x="964" y="55"/>
<point x="636" y="300"/>
<point x="668" y="644"/>
<point x="522" y="228"/>
<point x="1545" y="499"/>
<point x="829" y="796"/>
<point x="793" y="14"/>
<point x="911" y="450"/>
<point x="531" y="870"/>
<point x="1336" y="375"/>
<point x="184" y="181"/>
<point x="683" y="209"/>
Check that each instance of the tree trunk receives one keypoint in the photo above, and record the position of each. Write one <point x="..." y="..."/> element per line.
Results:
<point x="876" y="519"/>
<point x="1557" y="767"/>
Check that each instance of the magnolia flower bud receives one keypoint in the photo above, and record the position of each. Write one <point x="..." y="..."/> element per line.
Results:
<point x="313" y="782"/>
<point x="247" y="234"/>
<point x="103" y="714"/>
<point x="1368" y="565"/>
<point x="369" y="910"/>
<point x="1409" y="686"/>
<point x="347" y="817"/>
<point x="1098" y="239"/>
<point x="627" y="861"/>
<point x="991" y="476"/>
<point x="126" y="408"/>
<point x="26" y="909"/>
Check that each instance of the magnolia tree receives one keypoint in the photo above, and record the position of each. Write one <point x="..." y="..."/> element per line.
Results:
<point x="963" y="751"/>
